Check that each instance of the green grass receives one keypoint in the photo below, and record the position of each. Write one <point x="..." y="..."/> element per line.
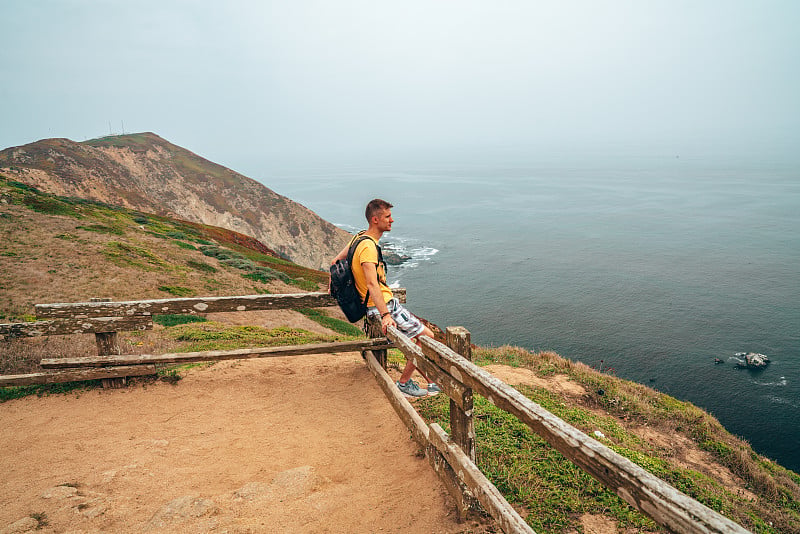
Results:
<point x="187" y="246"/>
<point x="337" y="325"/>
<point x="201" y="266"/>
<point x="49" y="205"/>
<point x="128" y="255"/>
<point x="178" y="291"/>
<point x="41" y="390"/>
<point x="217" y="336"/>
<point x="533" y="475"/>
<point x="176" y="319"/>
<point x="40" y="518"/>
<point x="172" y="374"/>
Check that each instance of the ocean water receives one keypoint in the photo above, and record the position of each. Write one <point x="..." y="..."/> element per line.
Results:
<point x="654" y="266"/>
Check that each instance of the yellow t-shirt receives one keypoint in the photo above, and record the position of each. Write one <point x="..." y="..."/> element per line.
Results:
<point x="367" y="252"/>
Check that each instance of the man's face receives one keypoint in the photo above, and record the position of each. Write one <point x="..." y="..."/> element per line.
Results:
<point x="384" y="220"/>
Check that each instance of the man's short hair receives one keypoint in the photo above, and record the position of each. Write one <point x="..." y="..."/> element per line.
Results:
<point x="375" y="206"/>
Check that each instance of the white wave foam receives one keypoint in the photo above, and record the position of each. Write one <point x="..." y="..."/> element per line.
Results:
<point x="411" y="248"/>
<point x="781" y="382"/>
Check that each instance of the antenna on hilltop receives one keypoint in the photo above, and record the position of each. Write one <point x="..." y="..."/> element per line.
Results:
<point x="109" y="128"/>
<point x="123" y="126"/>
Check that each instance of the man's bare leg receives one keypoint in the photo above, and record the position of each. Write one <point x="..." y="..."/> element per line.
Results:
<point x="409" y="368"/>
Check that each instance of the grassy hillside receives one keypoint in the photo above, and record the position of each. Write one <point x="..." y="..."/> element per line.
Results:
<point x="57" y="249"/>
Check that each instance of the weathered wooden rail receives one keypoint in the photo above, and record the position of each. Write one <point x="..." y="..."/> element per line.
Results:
<point x="452" y="457"/>
<point x="216" y="355"/>
<point x="193" y="305"/>
<point x="104" y="319"/>
<point x="459" y="378"/>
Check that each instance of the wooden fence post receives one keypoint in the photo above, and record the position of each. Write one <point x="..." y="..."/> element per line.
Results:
<point x="462" y="425"/>
<point x="107" y="344"/>
<point x="373" y="329"/>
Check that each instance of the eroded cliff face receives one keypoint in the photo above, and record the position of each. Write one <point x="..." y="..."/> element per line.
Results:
<point x="147" y="173"/>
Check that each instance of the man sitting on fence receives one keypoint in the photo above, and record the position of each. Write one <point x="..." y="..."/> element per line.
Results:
<point x="370" y="276"/>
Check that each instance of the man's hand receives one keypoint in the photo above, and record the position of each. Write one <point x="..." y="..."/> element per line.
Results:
<point x="386" y="322"/>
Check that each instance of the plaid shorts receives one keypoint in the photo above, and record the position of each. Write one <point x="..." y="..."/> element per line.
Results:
<point x="407" y="323"/>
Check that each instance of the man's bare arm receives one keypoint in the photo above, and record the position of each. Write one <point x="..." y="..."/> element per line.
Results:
<point x="374" y="288"/>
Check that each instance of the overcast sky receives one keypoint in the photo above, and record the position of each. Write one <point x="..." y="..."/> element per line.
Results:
<point x="298" y="80"/>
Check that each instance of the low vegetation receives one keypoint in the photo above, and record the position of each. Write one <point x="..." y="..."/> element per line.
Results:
<point x="68" y="249"/>
<point x="337" y="325"/>
<point x="652" y="429"/>
<point x="217" y="336"/>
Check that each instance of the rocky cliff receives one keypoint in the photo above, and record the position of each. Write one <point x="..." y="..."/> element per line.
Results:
<point x="145" y="172"/>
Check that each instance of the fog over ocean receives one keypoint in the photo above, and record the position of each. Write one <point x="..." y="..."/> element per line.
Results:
<point x="654" y="264"/>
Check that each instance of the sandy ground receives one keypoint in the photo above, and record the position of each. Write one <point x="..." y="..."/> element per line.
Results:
<point x="300" y="444"/>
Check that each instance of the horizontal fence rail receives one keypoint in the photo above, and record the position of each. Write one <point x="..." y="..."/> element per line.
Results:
<point x="88" y="325"/>
<point x="453" y="465"/>
<point x="215" y="355"/>
<point x="192" y="305"/>
<point x="638" y="487"/>
<point x="77" y="375"/>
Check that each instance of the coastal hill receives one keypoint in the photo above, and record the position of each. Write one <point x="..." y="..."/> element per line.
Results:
<point x="145" y="172"/>
<point x="65" y="249"/>
<point x="68" y="249"/>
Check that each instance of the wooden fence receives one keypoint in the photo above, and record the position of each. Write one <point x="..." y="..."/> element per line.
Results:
<point x="104" y="319"/>
<point x="448" y="364"/>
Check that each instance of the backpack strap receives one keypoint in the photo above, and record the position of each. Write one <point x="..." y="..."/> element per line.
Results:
<point x="359" y="237"/>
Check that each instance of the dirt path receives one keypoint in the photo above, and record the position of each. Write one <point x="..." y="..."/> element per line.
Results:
<point x="302" y="444"/>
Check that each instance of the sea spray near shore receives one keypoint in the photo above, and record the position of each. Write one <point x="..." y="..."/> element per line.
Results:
<point x="413" y="251"/>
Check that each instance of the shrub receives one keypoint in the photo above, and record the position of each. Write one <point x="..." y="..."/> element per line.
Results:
<point x="219" y="253"/>
<point x="239" y="263"/>
<point x="201" y="266"/>
<point x="48" y="205"/>
<point x="265" y="274"/>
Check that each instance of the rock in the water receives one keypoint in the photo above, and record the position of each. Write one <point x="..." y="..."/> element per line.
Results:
<point x="393" y="258"/>
<point x="752" y="360"/>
